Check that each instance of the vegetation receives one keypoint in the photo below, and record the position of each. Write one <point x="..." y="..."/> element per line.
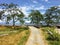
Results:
<point x="16" y="36"/>
<point x="24" y="38"/>
<point x="51" y="16"/>
<point x="36" y="17"/>
<point x="13" y="35"/>
<point x="13" y="13"/>
<point x="1" y="12"/>
<point x="51" y="35"/>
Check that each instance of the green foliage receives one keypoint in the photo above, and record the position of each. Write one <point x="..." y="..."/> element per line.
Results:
<point x="51" y="16"/>
<point x="8" y="30"/>
<point x="35" y="16"/>
<point x="51" y="36"/>
<point x="54" y="42"/>
<point x="13" y="13"/>
<point x="1" y="12"/>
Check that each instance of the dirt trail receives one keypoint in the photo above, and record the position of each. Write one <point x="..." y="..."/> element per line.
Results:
<point x="35" y="37"/>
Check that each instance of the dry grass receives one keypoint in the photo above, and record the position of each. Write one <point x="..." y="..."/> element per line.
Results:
<point x="11" y="39"/>
<point x="2" y="28"/>
<point x="24" y="38"/>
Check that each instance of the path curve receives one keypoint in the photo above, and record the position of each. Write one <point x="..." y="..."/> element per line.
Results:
<point x="35" y="37"/>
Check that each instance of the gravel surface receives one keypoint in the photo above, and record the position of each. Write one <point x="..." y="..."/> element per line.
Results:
<point x="35" y="37"/>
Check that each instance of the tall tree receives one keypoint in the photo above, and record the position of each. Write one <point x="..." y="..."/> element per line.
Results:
<point x="15" y="13"/>
<point x="36" y="17"/>
<point x="51" y="15"/>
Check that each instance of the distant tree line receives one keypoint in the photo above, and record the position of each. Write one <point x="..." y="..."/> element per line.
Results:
<point x="51" y="16"/>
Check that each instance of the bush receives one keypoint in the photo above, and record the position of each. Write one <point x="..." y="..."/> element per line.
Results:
<point x="51" y="36"/>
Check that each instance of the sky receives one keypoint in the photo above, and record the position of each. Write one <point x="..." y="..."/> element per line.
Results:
<point x="27" y="5"/>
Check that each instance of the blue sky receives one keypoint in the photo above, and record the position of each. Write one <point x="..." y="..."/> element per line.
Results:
<point x="27" y="5"/>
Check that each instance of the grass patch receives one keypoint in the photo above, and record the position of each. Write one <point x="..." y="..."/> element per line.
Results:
<point x="51" y="36"/>
<point x="24" y="38"/>
<point x="16" y="36"/>
<point x="10" y="30"/>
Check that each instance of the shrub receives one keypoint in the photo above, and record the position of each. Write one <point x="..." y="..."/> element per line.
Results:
<point x="51" y="36"/>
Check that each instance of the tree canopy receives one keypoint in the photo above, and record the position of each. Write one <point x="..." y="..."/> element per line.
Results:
<point x="35" y="16"/>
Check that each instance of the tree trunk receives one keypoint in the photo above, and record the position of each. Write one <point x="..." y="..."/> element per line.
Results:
<point x="48" y="25"/>
<point x="13" y="23"/>
<point x="0" y="16"/>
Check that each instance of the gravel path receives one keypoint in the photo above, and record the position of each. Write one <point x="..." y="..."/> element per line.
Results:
<point x="35" y="37"/>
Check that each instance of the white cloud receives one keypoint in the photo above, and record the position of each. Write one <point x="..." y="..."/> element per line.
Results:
<point x="0" y="20"/>
<point x="40" y="8"/>
<point x="1" y="9"/>
<point x="35" y="2"/>
<point x="26" y="9"/>
<point x="58" y="5"/>
<point x="46" y="0"/>
<point x="27" y="21"/>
